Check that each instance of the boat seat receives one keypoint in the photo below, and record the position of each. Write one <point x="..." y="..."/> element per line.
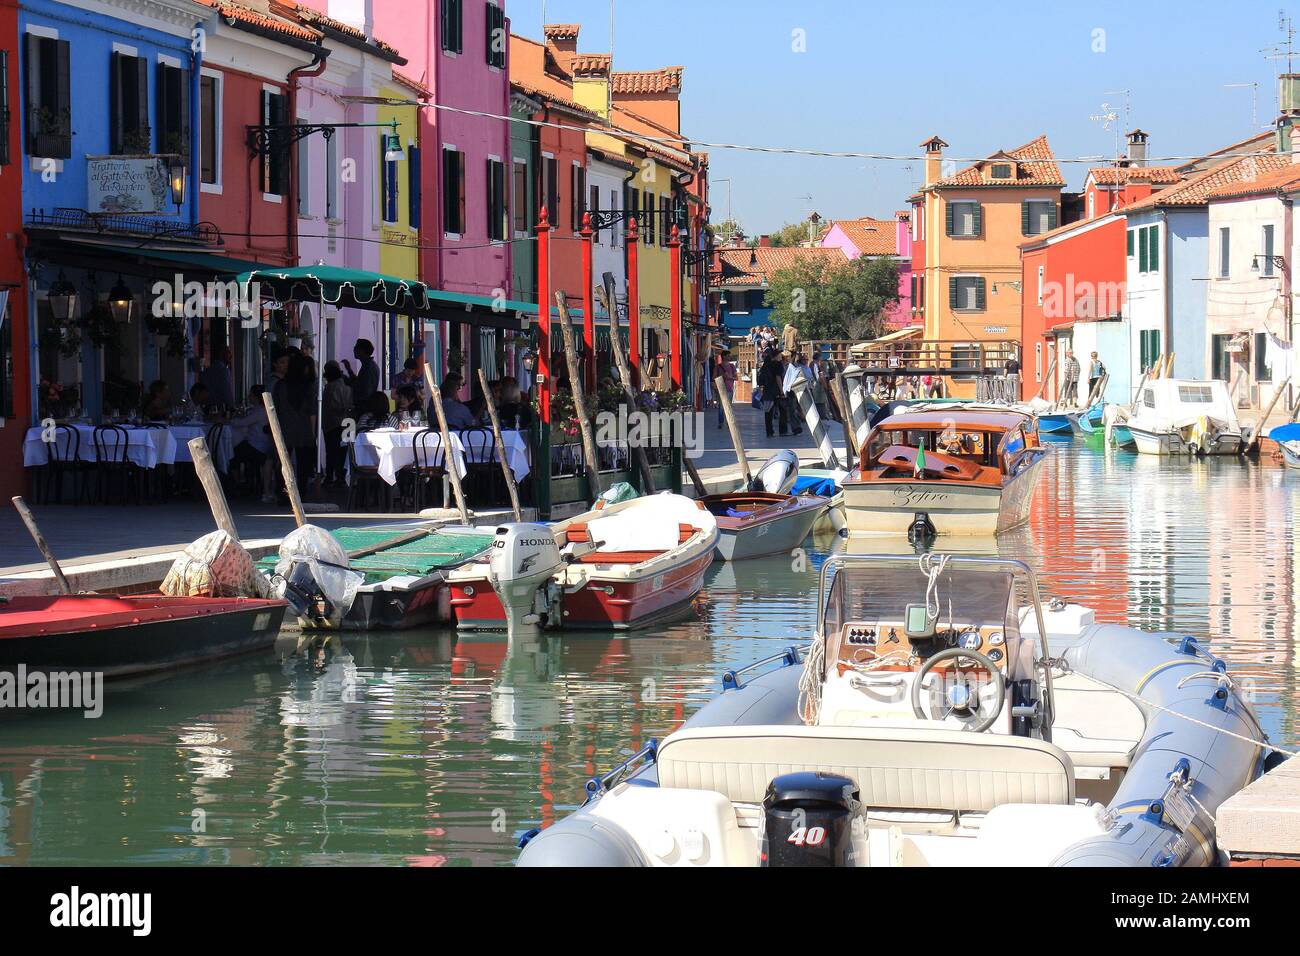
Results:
<point x="1021" y="835"/>
<point x="607" y="555"/>
<point x="894" y="767"/>
<point x="1094" y="724"/>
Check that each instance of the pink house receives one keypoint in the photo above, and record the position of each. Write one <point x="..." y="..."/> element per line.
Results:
<point x="875" y="238"/>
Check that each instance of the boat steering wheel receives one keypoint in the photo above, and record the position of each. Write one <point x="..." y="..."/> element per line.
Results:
<point x="960" y="696"/>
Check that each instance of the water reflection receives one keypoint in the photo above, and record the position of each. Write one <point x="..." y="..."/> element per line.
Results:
<point x="421" y="749"/>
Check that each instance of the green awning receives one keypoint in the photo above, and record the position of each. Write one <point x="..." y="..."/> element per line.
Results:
<point x="345" y="288"/>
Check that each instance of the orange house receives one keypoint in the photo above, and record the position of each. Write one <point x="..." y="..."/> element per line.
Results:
<point x="969" y="225"/>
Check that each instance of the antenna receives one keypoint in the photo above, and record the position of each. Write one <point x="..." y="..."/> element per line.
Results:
<point x="1107" y="118"/>
<point x="1254" y="100"/>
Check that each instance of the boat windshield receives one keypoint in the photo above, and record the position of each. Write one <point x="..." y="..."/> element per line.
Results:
<point x="972" y="443"/>
<point x="882" y="590"/>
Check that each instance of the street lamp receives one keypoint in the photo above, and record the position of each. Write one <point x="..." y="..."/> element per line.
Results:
<point x="393" y="152"/>
<point x="121" y="301"/>
<point x="177" y="175"/>
<point x="63" y="298"/>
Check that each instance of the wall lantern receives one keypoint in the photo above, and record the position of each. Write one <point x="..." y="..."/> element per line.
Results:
<point x="121" y="302"/>
<point x="393" y="152"/>
<point x="63" y="299"/>
<point x="177" y="175"/>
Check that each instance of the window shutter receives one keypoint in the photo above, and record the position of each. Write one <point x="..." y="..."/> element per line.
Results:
<point x="32" y="91"/>
<point x="116" y="118"/>
<point x="1024" y="218"/>
<point x="4" y="108"/>
<point x="1155" y="248"/>
<point x="947" y="219"/>
<point x="1130" y="243"/>
<point x="952" y="292"/>
<point x="63" y="94"/>
<point x="458" y="32"/>
<point x="460" y="180"/>
<point x="978" y="219"/>
<point x="979" y="294"/>
<point x="141" y="78"/>
<point x="1142" y="250"/>
<point x="1051" y="217"/>
<point x="280" y="170"/>
<point x="415" y="196"/>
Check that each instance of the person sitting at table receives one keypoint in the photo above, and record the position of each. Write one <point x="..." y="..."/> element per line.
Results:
<point x="410" y="375"/>
<point x="157" y="405"/>
<point x="407" y="407"/>
<point x="458" y="414"/>
<point x="513" y="410"/>
<point x="252" y="432"/>
<point x="200" y="397"/>
<point x="376" y="413"/>
<point x="336" y="406"/>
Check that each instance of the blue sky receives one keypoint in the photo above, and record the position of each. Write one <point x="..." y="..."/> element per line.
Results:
<point x="881" y="77"/>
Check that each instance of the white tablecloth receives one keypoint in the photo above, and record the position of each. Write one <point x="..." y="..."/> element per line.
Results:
<point x="516" y="453"/>
<point x="146" y="447"/>
<point x="391" y="450"/>
<point x="221" y="455"/>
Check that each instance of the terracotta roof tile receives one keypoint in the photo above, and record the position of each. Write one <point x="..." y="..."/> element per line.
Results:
<point x="561" y="31"/>
<point x="1119" y="175"/>
<point x="316" y="18"/>
<point x="872" y="237"/>
<point x="648" y="81"/>
<point x="1035" y="166"/>
<point x="1196" y="189"/>
<point x="411" y="84"/>
<point x="1283" y="179"/>
<point x="590" y="64"/>
<point x="537" y="92"/>
<point x="247" y="15"/>
<point x="737" y="270"/>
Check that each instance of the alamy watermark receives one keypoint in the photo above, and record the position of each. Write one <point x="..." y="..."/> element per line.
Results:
<point x="662" y="429"/>
<point x="21" y="689"/>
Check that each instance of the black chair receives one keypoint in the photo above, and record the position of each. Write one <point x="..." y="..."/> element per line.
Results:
<point x="430" y="468"/>
<point x="485" y="483"/>
<point x="113" y="465"/>
<point x="63" y="460"/>
<point x="362" y="481"/>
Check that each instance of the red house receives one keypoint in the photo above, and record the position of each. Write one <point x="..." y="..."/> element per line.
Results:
<point x="15" y="348"/>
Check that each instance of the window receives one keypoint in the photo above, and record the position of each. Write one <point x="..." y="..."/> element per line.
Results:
<point x="964" y="219"/>
<point x="1149" y="397"/>
<point x="1148" y="239"/>
<point x="128" y="82"/>
<point x="1129" y="238"/>
<point x="1262" y="372"/>
<point x="414" y="188"/>
<point x="920" y="290"/>
<point x="1037" y="216"/>
<point x="1148" y="348"/>
<point x="210" y="130"/>
<point x="1225" y="251"/>
<point x="577" y="195"/>
<point x="1001" y="171"/>
<point x="48" y="102"/>
<point x="593" y="207"/>
<point x="648" y="204"/>
<point x="4" y="109"/>
<point x="1092" y="203"/>
<point x="453" y="191"/>
<point x="1266" y="263"/>
<point x="275" y="164"/>
<point x="1195" y="394"/>
<point x="496" y="37"/>
<point x="551" y="189"/>
<point x="332" y="178"/>
<point x="304" y="175"/>
<point x="450" y="23"/>
<point x="173" y="110"/>
<point x="966" y="293"/>
<point x="388" y="183"/>
<point x="632" y="203"/>
<point x="522" y="209"/>
<point x="1220" y="357"/>
<point x="496" y="200"/>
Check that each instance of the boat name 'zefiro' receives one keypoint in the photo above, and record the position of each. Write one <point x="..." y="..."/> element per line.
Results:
<point x="52" y="690"/>
<point x="906" y="498"/>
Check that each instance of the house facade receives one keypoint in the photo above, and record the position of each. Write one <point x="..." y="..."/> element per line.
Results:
<point x="875" y="238"/>
<point x="17" y="390"/>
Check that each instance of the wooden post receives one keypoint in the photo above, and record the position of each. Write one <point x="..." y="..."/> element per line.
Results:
<point x="633" y="304"/>
<point x="696" y="480"/>
<point x="211" y="481"/>
<point x="730" y="413"/>
<point x="842" y="400"/>
<point x="448" y="458"/>
<point x="542" y="471"/>
<point x="1132" y="409"/>
<point x="1169" y="365"/>
<point x="1051" y="368"/>
<point x="579" y="400"/>
<point x="28" y="519"/>
<point x="501" y="445"/>
<point x="625" y="377"/>
<point x="286" y="463"/>
<point x="1263" y="421"/>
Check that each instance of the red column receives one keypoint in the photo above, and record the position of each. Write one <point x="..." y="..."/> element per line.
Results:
<point x="675" y="308"/>
<point x="588" y="307"/>
<point x="544" y="317"/>
<point x="633" y="307"/>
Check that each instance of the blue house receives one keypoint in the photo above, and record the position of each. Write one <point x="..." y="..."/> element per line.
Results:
<point x="108" y="102"/>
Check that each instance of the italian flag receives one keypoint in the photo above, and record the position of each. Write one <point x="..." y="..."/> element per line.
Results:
<point x="920" y="460"/>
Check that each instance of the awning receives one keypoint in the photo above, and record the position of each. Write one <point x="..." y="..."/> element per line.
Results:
<point x="115" y="256"/>
<point x="345" y="288"/>
<point x="901" y="335"/>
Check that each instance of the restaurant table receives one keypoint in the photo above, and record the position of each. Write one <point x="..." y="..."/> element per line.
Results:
<point x="390" y="450"/>
<point x="516" y="452"/>
<point x="146" y="447"/>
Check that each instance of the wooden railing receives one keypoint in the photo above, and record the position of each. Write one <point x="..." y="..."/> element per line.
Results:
<point x="958" y="359"/>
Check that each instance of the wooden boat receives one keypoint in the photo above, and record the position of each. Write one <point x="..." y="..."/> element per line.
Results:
<point x="1186" y="417"/>
<point x="1288" y="442"/>
<point x="123" y="636"/>
<point x="619" y="566"/>
<point x="1115" y="419"/>
<point x="1055" y="423"/>
<point x="945" y="472"/>
<point x="756" y="523"/>
<point x="405" y="567"/>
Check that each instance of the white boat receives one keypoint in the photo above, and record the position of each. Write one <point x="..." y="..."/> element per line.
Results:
<point x="1186" y="417"/>
<point x="955" y="471"/>
<point x="1288" y="442"/>
<point x="941" y="716"/>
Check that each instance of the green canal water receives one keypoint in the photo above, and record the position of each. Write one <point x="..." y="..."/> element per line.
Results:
<point x="419" y="749"/>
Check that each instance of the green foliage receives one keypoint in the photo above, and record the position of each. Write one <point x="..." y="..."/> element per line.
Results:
<point x="722" y="231"/>
<point x="825" y="299"/>
<point x="794" y="233"/>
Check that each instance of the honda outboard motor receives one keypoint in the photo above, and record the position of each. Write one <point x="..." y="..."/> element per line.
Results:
<point x="808" y="820"/>
<point x="778" y="474"/>
<point x="524" y="559"/>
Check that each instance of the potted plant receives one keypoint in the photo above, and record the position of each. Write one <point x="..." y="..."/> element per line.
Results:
<point x="51" y="132"/>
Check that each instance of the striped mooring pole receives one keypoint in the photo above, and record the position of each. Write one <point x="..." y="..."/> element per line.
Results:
<point x="852" y="376"/>
<point x="802" y="390"/>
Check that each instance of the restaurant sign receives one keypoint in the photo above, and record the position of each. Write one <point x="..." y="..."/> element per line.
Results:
<point x="127" y="184"/>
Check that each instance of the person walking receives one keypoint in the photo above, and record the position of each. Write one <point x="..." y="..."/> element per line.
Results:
<point x="1012" y="371"/>
<point x="770" y="377"/>
<point x="1070" y="388"/>
<point x="1096" y="369"/>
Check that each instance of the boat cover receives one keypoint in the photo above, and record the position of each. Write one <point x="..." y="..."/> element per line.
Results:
<point x="815" y="485"/>
<point x="215" y="566"/>
<point x="1283" y="433"/>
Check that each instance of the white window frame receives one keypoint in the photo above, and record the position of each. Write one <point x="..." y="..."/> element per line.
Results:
<point x="1223" y="250"/>
<point x="219" y="108"/>
<point x="275" y="198"/>
<point x="974" y="204"/>
<point x="1040" y="287"/>
<point x="1266" y="248"/>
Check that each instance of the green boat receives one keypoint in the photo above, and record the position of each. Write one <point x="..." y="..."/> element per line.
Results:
<point x="405" y="567"/>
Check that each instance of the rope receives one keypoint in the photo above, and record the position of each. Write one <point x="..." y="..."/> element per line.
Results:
<point x="933" y="565"/>
<point x="809" y="703"/>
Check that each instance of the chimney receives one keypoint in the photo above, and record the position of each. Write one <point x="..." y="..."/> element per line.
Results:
<point x="765" y="242"/>
<point x="562" y="41"/>
<point x="933" y="159"/>
<point x="1137" y="148"/>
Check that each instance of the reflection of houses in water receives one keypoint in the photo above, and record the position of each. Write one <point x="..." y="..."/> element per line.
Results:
<point x="1156" y="501"/>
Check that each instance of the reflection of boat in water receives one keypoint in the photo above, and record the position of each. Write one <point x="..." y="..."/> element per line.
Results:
<point x="1185" y="417"/>
<point x="958" y="471"/>
<point x="940" y="717"/>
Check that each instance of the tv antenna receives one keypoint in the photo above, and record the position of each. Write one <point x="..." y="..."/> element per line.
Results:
<point x="1107" y="118"/>
<point x="1254" y="100"/>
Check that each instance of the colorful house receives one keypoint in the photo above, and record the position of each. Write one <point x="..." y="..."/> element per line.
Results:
<point x="17" y="389"/>
<point x="873" y="239"/>
<point x="741" y="279"/>
<point x="971" y="223"/>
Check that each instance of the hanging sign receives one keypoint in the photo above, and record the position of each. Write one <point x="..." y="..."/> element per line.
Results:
<point x="130" y="185"/>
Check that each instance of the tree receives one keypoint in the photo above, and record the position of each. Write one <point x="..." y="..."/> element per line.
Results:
<point x="722" y="231"/>
<point x="826" y="299"/>
<point x="794" y="233"/>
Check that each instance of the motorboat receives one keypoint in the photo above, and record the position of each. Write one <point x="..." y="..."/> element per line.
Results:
<point x="399" y="574"/>
<point x="956" y="471"/>
<point x="1186" y="417"/>
<point x="943" y="714"/>
<point x="769" y="518"/>
<point x="619" y="566"/>
<point x="1115" y="423"/>
<point x="124" y="636"/>
<point x="1288" y="442"/>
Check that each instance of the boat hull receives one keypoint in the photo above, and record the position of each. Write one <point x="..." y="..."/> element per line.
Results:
<point x="127" y="636"/>
<point x="1172" y="443"/>
<point x="890" y="506"/>
<point x="1054" y="425"/>
<point x="780" y="532"/>
<point x="398" y="605"/>
<point x="1290" y="454"/>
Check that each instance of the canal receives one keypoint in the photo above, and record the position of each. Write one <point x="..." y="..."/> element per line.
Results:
<point x="419" y="749"/>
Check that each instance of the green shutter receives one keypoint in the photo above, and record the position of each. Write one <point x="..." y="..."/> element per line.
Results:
<point x="1129" y="234"/>
<point x="1024" y="217"/>
<point x="1142" y="250"/>
<point x="979" y="294"/>
<point x="979" y="219"/>
<point x="1154" y="255"/>
<point x="1051" y="217"/>
<point x="952" y="292"/>
<point x="947" y="218"/>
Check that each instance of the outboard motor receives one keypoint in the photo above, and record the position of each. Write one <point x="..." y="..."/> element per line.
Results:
<point x="921" y="531"/>
<point x="306" y="599"/>
<point x="808" y="820"/>
<point x="524" y="559"/>
<point x="778" y="474"/>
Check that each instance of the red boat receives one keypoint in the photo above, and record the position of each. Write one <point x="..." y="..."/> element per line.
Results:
<point x="626" y="565"/>
<point x="121" y="636"/>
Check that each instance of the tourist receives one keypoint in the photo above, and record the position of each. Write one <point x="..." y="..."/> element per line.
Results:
<point x="1096" y="369"/>
<point x="411" y="375"/>
<point x="1012" y="371"/>
<point x="200" y="398"/>
<point x="157" y="405"/>
<point x="364" y="382"/>
<point x="456" y="412"/>
<point x="220" y="384"/>
<point x="336" y="409"/>
<point x="251" y="434"/>
<point x="770" y="376"/>
<point x="407" y="408"/>
<point x="1070" y="387"/>
<point x="294" y="393"/>
<point x="375" y="414"/>
<point x="727" y="372"/>
<point x="513" y="411"/>
<point x="790" y="339"/>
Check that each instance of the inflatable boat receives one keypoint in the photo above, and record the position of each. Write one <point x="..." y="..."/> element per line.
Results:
<point x="942" y="715"/>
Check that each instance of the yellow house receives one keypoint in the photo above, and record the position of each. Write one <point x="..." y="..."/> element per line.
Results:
<point x="399" y="250"/>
